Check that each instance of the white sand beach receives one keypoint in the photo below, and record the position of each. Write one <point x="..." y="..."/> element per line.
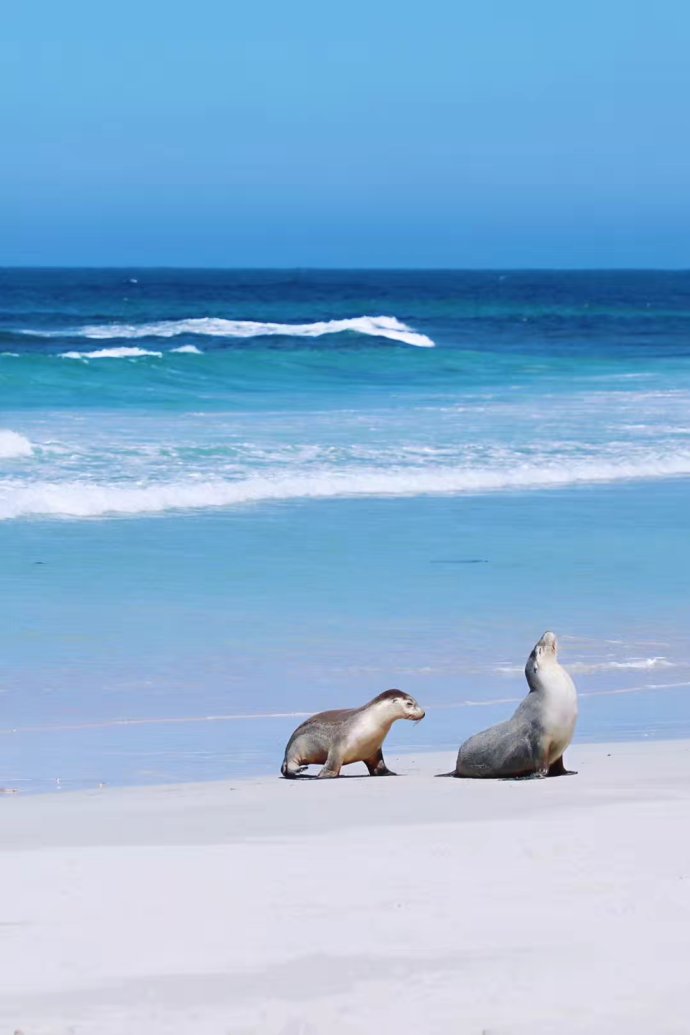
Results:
<point x="355" y="905"/>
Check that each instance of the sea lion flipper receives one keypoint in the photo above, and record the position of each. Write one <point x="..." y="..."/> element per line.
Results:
<point x="557" y="768"/>
<point x="334" y="763"/>
<point x="377" y="766"/>
<point x="291" y="771"/>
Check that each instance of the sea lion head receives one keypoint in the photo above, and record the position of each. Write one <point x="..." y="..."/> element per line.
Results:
<point x="545" y="652"/>
<point x="400" y="705"/>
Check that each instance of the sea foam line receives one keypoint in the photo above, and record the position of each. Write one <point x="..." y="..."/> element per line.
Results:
<point x="375" y="326"/>
<point x="258" y="716"/>
<point x="600" y="666"/>
<point x="490" y="702"/>
<point x="158" y="721"/>
<point x="88" y="499"/>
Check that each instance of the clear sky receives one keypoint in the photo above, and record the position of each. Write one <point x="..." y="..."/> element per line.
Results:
<point x="351" y="133"/>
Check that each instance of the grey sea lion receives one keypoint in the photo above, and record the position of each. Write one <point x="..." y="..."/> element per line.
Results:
<point x="334" y="739"/>
<point x="532" y="743"/>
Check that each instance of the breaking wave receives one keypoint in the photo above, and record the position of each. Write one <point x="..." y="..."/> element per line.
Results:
<point x="375" y="326"/>
<point x="118" y="353"/>
<point x="90" y="499"/>
<point x="13" y="445"/>
<point x="127" y="352"/>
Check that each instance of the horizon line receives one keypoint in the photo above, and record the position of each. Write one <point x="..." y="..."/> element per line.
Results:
<point x="350" y="269"/>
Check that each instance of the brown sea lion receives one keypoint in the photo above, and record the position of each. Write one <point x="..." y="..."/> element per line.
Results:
<point x="337" y="738"/>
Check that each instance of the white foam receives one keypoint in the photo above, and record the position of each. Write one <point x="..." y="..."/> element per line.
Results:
<point x="376" y="326"/>
<point x="191" y="349"/>
<point x="13" y="445"/>
<point x="88" y="499"/>
<point x="634" y="663"/>
<point x="122" y="352"/>
<point x="599" y="666"/>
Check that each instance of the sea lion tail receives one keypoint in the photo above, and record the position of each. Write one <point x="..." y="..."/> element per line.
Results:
<point x="451" y="773"/>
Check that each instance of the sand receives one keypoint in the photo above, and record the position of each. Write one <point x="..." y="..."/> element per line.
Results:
<point x="355" y="905"/>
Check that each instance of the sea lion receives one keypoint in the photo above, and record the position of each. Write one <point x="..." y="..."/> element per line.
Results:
<point x="532" y="743"/>
<point x="334" y="739"/>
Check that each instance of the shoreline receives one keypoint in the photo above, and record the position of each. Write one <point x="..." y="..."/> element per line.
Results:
<point x="415" y="763"/>
<point x="226" y="769"/>
<point x="265" y="906"/>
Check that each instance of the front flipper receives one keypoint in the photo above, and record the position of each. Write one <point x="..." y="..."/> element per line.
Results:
<point x="541" y="771"/>
<point x="334" y="764"/>
<point x="376" y="765"/>
<point x="557" y="768"/>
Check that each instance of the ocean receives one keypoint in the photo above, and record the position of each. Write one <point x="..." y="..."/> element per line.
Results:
<point x="229" y="499"/>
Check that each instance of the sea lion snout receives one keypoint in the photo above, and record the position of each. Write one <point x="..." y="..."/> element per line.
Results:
<point x="548" y="643"/>
<point x="545" y="650"/>
<point x="413" y="710"/>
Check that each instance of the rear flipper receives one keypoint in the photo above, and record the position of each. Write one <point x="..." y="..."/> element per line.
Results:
<point x="291" y="770"/>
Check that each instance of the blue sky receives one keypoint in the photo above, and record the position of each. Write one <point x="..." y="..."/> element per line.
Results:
<point x="502" y="133"/>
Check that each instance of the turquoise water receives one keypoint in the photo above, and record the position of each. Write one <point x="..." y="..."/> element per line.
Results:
<point x="293" y="513"/>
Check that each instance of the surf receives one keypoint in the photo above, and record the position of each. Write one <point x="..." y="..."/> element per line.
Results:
<point x="13" y="445"/>
<point x="373" y="326"/>
<point x="85" y="499"/>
